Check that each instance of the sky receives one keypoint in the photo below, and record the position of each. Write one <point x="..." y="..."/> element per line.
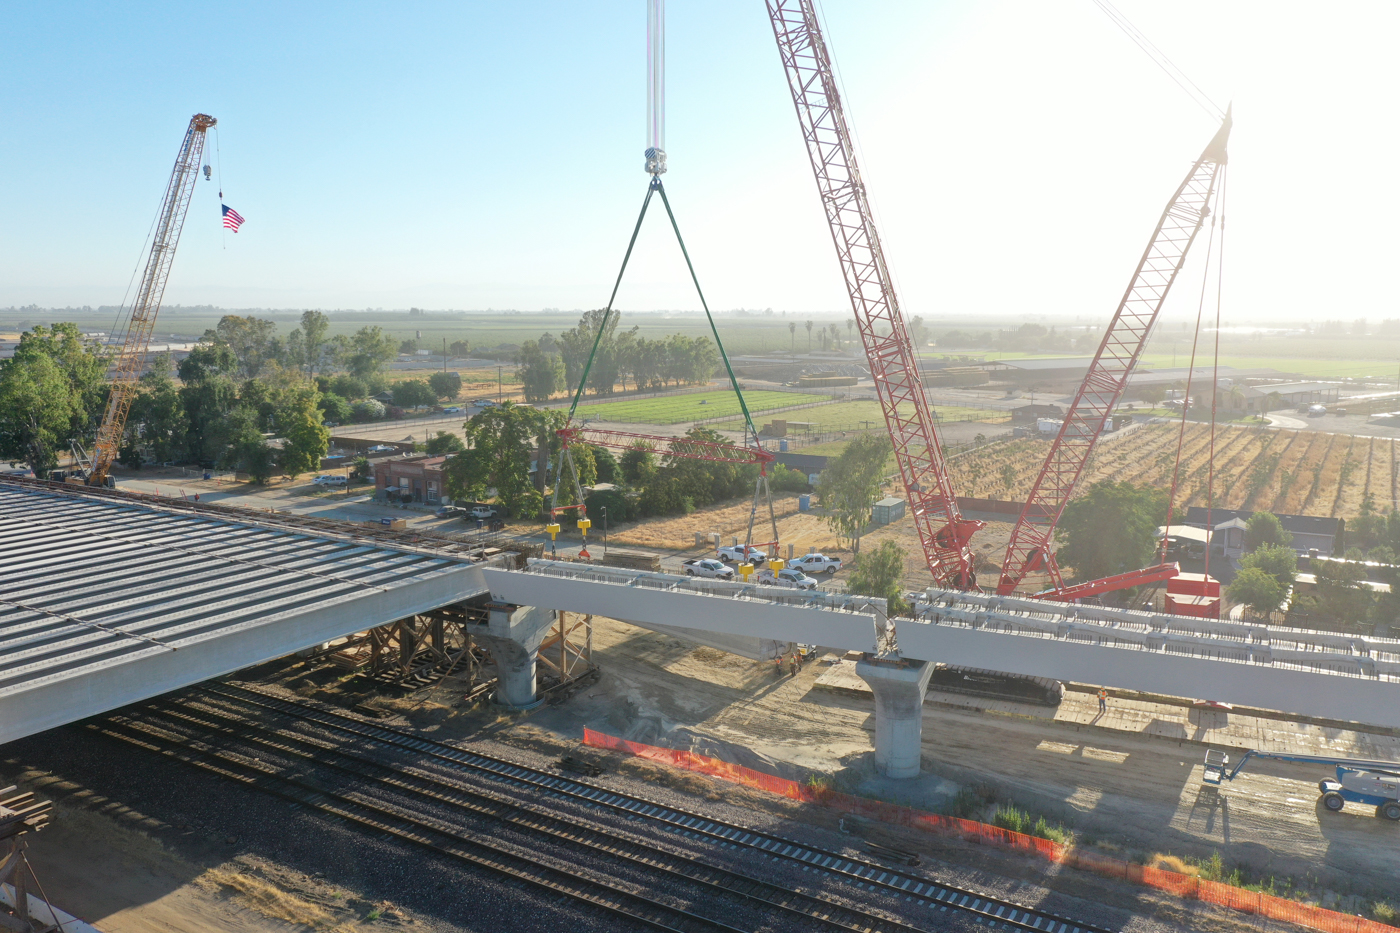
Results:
<point x="482" y="155"/>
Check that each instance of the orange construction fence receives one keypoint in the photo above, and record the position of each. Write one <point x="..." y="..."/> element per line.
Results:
<point x="1188" y="886"/>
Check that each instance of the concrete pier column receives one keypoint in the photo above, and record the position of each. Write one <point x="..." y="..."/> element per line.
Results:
<point x="513" y="635"/>
<point x="899" y="685"/>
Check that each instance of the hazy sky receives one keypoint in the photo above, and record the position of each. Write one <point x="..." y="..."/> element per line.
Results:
<point x="473" y="155"/>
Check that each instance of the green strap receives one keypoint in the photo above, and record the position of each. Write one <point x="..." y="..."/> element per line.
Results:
<point x="607" y="312"/>
<point x="656" y="181"/>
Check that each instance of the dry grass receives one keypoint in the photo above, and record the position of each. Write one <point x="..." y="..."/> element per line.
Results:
<point x="678" y="533"/>
<point x="270" y="900"/>
<point x="1174" y="863"/>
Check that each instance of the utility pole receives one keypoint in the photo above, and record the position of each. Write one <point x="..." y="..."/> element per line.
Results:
<point x="498" y="385"/>
<point x="444" y="354"/>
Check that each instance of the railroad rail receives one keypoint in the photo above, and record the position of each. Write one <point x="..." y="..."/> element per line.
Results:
<point x="599" y="842"/>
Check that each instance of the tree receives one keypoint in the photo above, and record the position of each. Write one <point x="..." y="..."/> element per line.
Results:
<point x="1264" y="528"/>
<point x="809" y="325"/>
<point x="413" y="393"/>
<point x="242" y="445"/>
<point x="1256" y="589"/>
<point x="460" y="348"/>
<point x="337" y="409"/>
<point x="305" y="438"/>
<point x="37" y="408"/>
<point x="366" y="351"/>
<point x="446" y="385"/>
<point x="307" y="347"/>
<point x="157" y="417"/>
<point x="500" y="452"/>
<point x="444" y="442"/>
<point x="1008" y="477"/>
<point x="1152" y="395"/>
<point x="252" y="341"/>
<point x="607" y="466"/>
<point x="408" y="346"/>
<point x="577" y="344"/>
<point x="849" y="485"/>
<point x="880" y="573"/>
<point x="1341" y="595"/>
<point x="1111" y="529"/>
<point x="792" y="332"/>
<point x="347" y="387"/>
<point x="1277" y="560"/>
<point x="541" y="374"/>
<point x="639" y="463"/>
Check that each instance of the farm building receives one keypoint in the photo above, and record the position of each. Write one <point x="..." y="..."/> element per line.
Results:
<point x="1042" y="373"/>
<point x="1308" y="531"/>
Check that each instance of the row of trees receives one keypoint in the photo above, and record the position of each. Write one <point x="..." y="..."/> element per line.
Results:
<point x="549" y="365"/>
<point x="54" y="391"/>
<point x="308" y="348"/>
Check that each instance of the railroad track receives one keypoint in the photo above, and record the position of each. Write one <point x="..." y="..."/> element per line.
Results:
<point x="595" y="841"/>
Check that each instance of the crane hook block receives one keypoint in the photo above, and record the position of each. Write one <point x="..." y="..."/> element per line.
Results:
<point x="208" y="173"/>
<point x="656" y="161"/>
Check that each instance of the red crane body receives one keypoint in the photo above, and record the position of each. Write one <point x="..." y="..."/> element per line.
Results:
<point x="1029" y="550"/>
<point x="943" y="531"/>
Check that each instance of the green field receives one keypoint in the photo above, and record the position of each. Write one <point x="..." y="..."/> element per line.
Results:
<point x="675" y="409"/>
<point x="840" y="416"/>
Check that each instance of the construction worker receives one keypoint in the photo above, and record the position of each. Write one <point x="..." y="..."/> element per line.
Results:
<point x="1103" y="699"/>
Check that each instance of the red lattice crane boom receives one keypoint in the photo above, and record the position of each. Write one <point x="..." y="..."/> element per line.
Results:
<point x="144" y="307"/>
<point x="943" y="531"/>
<point x="1029" y="550"/>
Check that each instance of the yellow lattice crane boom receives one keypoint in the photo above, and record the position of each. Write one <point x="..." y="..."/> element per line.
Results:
<point x="136" y="335"/>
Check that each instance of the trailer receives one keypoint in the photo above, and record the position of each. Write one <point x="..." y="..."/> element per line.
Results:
<point x="1373" y="783"/>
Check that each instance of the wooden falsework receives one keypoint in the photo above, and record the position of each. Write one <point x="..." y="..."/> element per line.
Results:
<point x="567" y="651"/>
<point x="20" y="813"/>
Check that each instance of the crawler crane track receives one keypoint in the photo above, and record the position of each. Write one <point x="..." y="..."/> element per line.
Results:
<point x="191" y="731"/>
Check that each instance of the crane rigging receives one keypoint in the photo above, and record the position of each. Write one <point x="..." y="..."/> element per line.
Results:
<point x="1029" y="550"/>
<point x="943" y="531"/>
<point x="136" y="336"/>
<point x="672" y="447"/>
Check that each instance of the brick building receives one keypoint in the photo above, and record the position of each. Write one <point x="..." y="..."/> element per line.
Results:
<point x="418" y="479"/>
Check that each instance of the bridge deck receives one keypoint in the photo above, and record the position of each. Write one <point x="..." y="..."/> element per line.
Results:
<point x="105" y="601"/>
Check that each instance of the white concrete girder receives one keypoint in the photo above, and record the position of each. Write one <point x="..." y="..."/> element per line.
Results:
<point x="687" y="605"/>
<point x="86" y="689"/>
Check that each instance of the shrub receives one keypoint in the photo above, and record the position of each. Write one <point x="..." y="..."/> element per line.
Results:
<point x="367" y="410"/>
<point x="782" y="479"/>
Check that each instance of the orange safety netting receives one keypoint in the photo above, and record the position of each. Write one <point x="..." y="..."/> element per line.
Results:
<point x="1211" y="892"/>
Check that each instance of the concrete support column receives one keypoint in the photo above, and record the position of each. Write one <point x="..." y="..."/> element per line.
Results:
<point x="899" y="686"/>
<point x="513" y="635"/>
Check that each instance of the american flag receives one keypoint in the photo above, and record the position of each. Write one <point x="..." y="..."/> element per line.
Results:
<point x="232" y="219"/>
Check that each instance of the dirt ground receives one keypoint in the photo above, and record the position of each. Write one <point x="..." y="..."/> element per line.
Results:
<point x="108" y="866"/>
<point x="1119" y="786"/>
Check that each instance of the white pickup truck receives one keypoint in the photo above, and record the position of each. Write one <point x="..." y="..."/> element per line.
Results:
<point x="789" y="577"/>
<point x="707" y="567"/>
<point x="739" y="553"/>
<point x="816" y="563"/>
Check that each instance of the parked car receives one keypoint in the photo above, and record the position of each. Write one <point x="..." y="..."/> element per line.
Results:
<point x="483" y="512"/>
<point x="453" y="410"/>
<point x="331" y="481"/>
<point x="740" y="553"/>
<point x="451" y="511"/>
<point x="789" y="577"/>
<point x="817" y="563"/>
<point x="707" y="567"/>
<point x="382" y="449"/>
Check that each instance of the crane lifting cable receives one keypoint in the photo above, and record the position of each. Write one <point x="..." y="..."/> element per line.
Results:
<point x="136" y="335"/>
<point x="677" y="447"/>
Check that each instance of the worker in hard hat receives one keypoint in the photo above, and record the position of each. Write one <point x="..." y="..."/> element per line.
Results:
<point x="1103" y="699"/>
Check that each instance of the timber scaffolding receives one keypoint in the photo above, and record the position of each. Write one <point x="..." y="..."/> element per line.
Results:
<point x="20" y="814"/>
